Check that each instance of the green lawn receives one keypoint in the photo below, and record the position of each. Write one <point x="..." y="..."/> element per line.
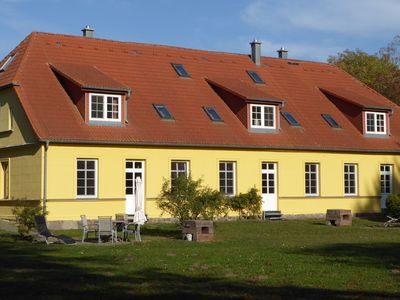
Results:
<point x="248" y="260"/>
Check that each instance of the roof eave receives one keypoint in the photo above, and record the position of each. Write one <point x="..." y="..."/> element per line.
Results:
<point x="106" y="89"/>
<point x="9" y="85"/>
<point x="225" y="146"/>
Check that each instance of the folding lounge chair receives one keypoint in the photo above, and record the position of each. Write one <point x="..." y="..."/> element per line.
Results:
<point x="41" y="227"/>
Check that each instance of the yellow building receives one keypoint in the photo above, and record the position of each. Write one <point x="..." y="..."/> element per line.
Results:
<point x="81" y="118"/>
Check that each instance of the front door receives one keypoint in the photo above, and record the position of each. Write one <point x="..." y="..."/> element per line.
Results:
<point x="386" y="183"/>
<point x="268" y="185"/>
<point x="133" y="169"/>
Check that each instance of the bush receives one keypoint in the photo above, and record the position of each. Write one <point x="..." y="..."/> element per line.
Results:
<point x="25" y="217"/>
<point x="393" y="205"/>
<point x="189" y="200"/>
<point x="247" y="204"/>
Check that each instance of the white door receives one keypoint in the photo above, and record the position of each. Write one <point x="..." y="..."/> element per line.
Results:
<point x="133" y="170"/>
<point x="268" y="186"/>
<point x="386" y="183"/>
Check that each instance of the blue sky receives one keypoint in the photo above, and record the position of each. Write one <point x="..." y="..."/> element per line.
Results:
<point x="310" y="30"/>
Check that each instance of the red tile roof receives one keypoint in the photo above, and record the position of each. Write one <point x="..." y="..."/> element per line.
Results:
<point x="146" y="69"/>
<point x="356" y="99"/>
<point x="89" y="77"/>
<point x="242" y="89"/>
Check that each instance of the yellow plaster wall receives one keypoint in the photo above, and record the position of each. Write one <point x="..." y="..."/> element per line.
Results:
<point x="14" y="126"/>
<point x="62" y="202"/>
<point x="25" y="176"/>
<point x="5" y="116"/>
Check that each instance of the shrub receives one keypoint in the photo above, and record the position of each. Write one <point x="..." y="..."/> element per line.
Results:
<point x="189" y="200"/>
<point x="393" y="205"/>
<point x="246" y="204"/>
<point x="25" y="217"/>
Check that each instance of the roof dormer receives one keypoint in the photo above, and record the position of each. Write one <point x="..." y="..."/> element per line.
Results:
<point x="369" y="117"/>
<point x="99" y="98"/>
<point x="256" y="109"/>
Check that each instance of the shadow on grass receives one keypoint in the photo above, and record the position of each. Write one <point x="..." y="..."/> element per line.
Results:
<point x="40" y="272"/>
<point x="172" y="231"/>
<point x="372" y="255"/>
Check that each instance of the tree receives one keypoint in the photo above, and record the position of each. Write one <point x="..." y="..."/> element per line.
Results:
<point x="378" y="71"/>
<point x="189" y="200"/>
<point x="392" y="50"/>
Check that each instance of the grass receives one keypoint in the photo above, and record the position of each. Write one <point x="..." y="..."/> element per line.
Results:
<point x="302" y="259"/>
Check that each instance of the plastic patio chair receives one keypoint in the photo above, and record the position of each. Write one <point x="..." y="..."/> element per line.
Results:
<point x="87" y="227"/>
<point x="106" y="228"/>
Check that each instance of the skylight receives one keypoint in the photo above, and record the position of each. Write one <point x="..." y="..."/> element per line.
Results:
<point x="180" y="69"/>
<point x="331" y="121"/>
<point x="256" y="78"/>
<point x="212" y="114"/>
<point x="163" y="111"/>
<point x="7" y="63"/>
<point x="290" y="118"/>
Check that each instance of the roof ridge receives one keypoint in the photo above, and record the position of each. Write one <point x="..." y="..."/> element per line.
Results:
<point x="174" y="47"/>
<point x="27" y="40"/>
<point x="138" y="43"/>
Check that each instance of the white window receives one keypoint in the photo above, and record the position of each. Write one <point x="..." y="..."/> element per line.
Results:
<point x="105" y="107"/>
<point x="350" y="179"/>
<point x="375" y="123"/>
<point x="227" y="170"/>
<point x="178" y="168"/>
<point x="262" y="116"/>
<point x="312" y="179"/>
<point x="86" y="176"/>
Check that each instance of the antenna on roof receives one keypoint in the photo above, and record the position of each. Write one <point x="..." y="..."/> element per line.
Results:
<point x="87" y="31"/>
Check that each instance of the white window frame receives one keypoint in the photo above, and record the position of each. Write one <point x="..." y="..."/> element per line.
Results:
<point x="263" y="107"/>
<point x="95" y="178"/>
<point x="375" y="114"/>
<point x="176" y="171"/>
<point x="105" y="108"/>
<point x="226" y="172"/>
<point x="355" y="178"/>
<point x="317" y="179"/>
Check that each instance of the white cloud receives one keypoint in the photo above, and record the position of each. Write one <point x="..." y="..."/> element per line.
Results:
<point x="301" y="51"/>
<point x="363" y="17"/>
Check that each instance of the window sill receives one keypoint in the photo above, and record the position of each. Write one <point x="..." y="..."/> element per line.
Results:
<point x="87" y="198"/>
<point x="263" y="130"/>
<point x="105" y="123"/>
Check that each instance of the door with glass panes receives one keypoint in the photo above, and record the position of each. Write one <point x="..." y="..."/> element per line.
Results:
<point x="133" y="169"/>
<point x="269" y="186"/>
<point x="386" y="183"/>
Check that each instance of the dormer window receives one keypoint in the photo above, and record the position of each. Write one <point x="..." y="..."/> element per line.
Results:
<point x="105" y="107"/>
<point x="262" y="116"/>
<point x="375" y="122"/>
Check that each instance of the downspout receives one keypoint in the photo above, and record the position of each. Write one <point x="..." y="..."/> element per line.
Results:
<point x="46" y="147"/>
